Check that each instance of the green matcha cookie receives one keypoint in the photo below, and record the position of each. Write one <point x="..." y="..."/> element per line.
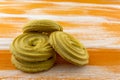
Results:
<point x="32" y="47"/>
<point x="69" y="48"/>
<point x="33" y="67"/>
<point x="42" y="26"/>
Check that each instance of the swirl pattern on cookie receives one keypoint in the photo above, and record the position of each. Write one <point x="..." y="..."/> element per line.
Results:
<point x="32" y="47"/>
<point x="42" y="26"/>
<point x="69" y="48"/>
<point x="33" y="67"/>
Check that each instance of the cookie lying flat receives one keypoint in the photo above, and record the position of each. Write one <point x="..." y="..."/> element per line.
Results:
<point x="69" y="48"/>
<point x="42" y="26"/>
<point x="32" y="47"/>
<point x="33" y="67"/>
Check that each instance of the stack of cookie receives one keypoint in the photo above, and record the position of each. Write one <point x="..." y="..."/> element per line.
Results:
<point x="35" y="49"/>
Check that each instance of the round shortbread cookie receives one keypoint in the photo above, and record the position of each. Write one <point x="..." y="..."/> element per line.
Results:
<point x="69" y="48"/>
<point x="32" y="47"/>
<point x="42" y="26"/>
<point x="32" y="67"/>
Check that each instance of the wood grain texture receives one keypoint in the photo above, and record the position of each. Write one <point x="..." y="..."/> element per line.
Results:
<point x="96" y="23"/>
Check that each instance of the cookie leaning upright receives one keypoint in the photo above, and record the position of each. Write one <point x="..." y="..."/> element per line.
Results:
<point x="69" y="48"/>
<point x="42" y="26"/>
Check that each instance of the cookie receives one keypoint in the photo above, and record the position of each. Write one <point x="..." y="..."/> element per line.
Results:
<point x="42" y="26"/>
<point x="32" y="47"/>
<point x="69" y="48"/>
<point x="32" y="67"/>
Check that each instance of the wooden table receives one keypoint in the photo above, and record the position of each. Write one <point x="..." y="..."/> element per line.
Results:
<point x="96" y="23"/>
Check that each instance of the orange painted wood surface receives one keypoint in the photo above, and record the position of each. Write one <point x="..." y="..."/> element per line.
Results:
<point x="96" y="23"/>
